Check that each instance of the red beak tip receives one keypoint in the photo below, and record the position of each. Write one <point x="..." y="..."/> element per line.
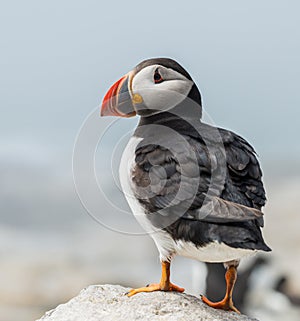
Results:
<point x="107" y="108"/>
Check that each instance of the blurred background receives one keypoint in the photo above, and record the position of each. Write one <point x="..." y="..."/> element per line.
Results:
<point x="57" y="60"/>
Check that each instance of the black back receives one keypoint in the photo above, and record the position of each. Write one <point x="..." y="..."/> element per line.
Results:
<point x="225" y="165"/>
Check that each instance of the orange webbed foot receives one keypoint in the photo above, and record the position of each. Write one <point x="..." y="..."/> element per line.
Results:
<point x="225" y="304"/>
<point x="156" y="287"/>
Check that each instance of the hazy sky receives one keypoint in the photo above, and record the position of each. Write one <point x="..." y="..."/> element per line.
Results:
<point x="59" y="57"/>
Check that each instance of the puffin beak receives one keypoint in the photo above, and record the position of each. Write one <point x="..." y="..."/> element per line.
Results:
<point x="117" y="101"/>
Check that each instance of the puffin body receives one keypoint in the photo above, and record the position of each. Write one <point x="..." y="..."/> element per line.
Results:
<point x="195" y="188"/>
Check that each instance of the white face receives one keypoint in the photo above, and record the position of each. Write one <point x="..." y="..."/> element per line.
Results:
<point x="163" y="93"/>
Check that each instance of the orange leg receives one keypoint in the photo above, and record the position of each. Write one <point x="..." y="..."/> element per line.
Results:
<point x="163" y="285"/>
<point x="226" y="303"/>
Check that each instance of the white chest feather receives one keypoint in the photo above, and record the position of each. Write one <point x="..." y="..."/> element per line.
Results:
<point x="163" y="241"/>
<point x="126" y="165"/>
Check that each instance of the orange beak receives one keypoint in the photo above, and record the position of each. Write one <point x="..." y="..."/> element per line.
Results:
<point x="117" y="101"/>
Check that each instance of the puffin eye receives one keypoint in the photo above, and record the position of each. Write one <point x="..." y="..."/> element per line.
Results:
<point x="157" y="77"/>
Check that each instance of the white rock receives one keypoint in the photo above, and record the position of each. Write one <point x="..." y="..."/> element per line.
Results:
<point x="109" y="303"/>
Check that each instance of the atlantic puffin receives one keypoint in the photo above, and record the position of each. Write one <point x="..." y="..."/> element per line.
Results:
<point x="195" y="188"/>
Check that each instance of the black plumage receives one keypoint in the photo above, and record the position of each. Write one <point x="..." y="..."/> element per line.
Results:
<point x="236" y="190"/>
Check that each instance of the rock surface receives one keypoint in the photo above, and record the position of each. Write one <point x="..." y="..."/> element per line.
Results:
<point x="108" y="303"/>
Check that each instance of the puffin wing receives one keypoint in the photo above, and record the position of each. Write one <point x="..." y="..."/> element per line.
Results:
<point x="245" y="184"/>
<point x="244" y="178"/>
<point x="244" y="170"/>
<point x="166" y="180"/>
<point x="243" y="194"/>
<point x="177" y="186"/>
<point x="240" y="196"/>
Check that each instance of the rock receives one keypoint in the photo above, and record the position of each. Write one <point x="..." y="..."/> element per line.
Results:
<point x="109" y="303"/>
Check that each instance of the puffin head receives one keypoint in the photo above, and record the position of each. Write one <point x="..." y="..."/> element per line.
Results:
<point x="153" y="86"/>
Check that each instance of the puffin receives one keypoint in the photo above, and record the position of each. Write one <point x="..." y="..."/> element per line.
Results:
<point x="195" y="188"/>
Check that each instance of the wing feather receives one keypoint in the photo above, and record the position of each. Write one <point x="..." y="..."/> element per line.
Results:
<point x="164" y="185"/>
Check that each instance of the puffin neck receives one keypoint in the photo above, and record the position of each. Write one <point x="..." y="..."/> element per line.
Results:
<point x="183" y="126"/>
<point x="175" y="114"/>
<point x="159" y="118"/>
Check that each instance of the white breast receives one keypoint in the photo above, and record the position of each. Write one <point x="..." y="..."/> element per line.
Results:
<point x="164" y="243"/>
<point x="126" y="165"/>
